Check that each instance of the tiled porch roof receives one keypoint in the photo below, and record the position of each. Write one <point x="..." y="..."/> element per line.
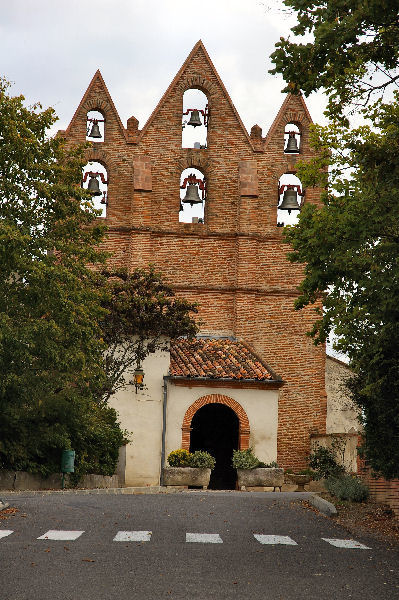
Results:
<point x="216" y="358"/>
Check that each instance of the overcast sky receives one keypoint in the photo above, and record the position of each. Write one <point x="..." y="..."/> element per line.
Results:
<point x="50" y="50"/>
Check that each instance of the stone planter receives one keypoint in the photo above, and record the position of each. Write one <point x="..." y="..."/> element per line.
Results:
<point x="262" y="477"/>
<point x="186" y="476"/>
<point x="300" y="480"/>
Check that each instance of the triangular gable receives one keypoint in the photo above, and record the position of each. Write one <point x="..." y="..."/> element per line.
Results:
<point x="291" y="101"/>
<point x="199" y="47"/>
<point x="97" y="78"/>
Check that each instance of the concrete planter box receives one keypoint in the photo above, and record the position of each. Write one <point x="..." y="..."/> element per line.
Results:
<point x="261" y="477"/>
<point x="186" y="476"/>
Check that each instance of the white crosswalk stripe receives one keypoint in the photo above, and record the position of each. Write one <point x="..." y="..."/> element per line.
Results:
<point x="275" y="539"/>
<point x="199" y="538"/>
<point x="61" y="535"/>
<point x="204" y="538"/>
<point x="133" y="536"/>
<point x="346" y="544"/>
<point x="5" y="532"/>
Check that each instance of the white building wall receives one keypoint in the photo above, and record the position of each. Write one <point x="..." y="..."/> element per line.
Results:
<point x="261" y="407"/>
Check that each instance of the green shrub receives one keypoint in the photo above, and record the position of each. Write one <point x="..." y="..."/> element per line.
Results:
<point x="179" y="458"/>
<point x="348" y="487"/>
<point x="308" y="472"/>
<point x="324" y="464"/>
<point x="245" y="459"/>
<point x="202" y="460"/>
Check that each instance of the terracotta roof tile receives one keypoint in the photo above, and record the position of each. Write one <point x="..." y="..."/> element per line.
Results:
<point x="216" y="358"/>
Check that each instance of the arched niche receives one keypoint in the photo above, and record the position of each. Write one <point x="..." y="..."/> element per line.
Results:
<point x="195" y="119"/>
<point x="192" y="181"/>
<point x="292" y="138"/>
<point x="95" y="126"/>
<point x="290" y="183"/>
<point x="95" y="177"/>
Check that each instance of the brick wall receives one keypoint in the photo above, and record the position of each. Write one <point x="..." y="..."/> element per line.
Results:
<point x="234" y="264"/>
<point x="381" y="489"/>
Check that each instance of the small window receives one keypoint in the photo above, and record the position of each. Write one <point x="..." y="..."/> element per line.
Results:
<point x="195" y="119"/>
<point x="292" y="139"/>
<point x="192" y="196"/>
<point x="95" y="126"/>
<point x="290" y="199"/>
<point x="95" y="179"/>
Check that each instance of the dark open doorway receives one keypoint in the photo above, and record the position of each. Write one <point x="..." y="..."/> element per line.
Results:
<point x="215" y="429"/>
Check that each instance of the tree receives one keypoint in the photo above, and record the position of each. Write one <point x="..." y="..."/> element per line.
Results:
<point x="353" y="54"/>
<point x="51" y="351"/>
<point x="142" y="314"/>
<point x="349" y="245"/>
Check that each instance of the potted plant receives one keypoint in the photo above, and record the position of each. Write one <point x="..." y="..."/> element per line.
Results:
<point x="252" y="472"/>
<point x="188" y="469"/>
<point x="301" y="478"/>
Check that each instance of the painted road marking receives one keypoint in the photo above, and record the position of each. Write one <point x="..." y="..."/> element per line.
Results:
<point x="133" y="536"/>
<point x="5" y="532"/>
<point x="346" y="544"/>
<point x="275" y="539"/>
<point x="60" y="534"/>
<point x="204" y="538"/>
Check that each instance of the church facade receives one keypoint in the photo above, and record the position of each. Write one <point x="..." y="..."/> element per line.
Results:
<point x="207" y="215"/>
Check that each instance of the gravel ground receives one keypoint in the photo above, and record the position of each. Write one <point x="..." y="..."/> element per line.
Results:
<point x="369" y="517"/>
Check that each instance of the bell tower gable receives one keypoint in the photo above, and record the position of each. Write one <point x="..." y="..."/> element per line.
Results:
<point x="98" y="99"/>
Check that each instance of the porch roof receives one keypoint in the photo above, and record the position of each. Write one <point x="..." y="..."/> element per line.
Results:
<point x="217" y="358"/>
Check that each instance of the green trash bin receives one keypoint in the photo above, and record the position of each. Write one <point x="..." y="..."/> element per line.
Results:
<point x="68" y="461"/>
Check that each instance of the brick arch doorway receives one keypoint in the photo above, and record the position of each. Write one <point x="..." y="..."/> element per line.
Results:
<point x="219" y="425"/>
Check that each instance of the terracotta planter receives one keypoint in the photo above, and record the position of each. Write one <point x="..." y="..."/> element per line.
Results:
<point x="186" y="476"/>
<point x="261" y="477"/>
<point x="300" y="480"/>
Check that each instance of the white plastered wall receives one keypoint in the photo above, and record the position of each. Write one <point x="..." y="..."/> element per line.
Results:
<point x="141" y="414"/>
<point x="341" y="412"/>
<point x="260" y="405"/>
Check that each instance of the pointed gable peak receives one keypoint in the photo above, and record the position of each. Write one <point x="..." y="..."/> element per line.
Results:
<point x="292" y="110"/>
<point x="210" y="83"/>
<point x="96" y="97"/>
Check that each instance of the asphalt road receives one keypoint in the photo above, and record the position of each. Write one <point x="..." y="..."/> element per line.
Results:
<point x="231" y="563"/>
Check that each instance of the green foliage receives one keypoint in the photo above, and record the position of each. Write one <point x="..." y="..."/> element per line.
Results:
<point x="350" y="244"/>
<point x="324" y="464"/>
<point x="271" y="465"/>
<point x="350" y="42"/>
<point x="244" y="459"/>
<point x="179" y="458"/>
<point x="202" y="459"/>
<point x="142" y="313"/>
<point x="51" y="350"/>
<point x="308" y="472"/>
<point x="348" y="487"/>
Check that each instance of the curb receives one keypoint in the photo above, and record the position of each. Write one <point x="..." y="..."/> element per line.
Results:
<point x="156" y="489"/>
<point x="322" y="505"/>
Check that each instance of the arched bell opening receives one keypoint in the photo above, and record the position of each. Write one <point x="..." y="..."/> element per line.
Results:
<point x="289" y="199"/>
<point x="192" y="196"/>
<point x="292" y="139"/>
<point x="215" y="429"/>
<point x="195" y="119"/>
<point x="95" y="180"/>
<point x="95" y="126"/>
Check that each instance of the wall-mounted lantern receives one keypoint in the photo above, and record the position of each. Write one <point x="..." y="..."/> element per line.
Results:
<point x="290" y="197"/>
<point x="138" y="378"/>
<point x="195" y="119"/>
<point x="192" y="196"/>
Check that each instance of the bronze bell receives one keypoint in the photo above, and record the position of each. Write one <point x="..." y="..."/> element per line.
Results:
<point x="95" y="131"/>
<point x="195" y="120"/>
<point x="192" y="196"/>
<point x="94" y="186"/>
<point x="292" y="145"/>
<point x="290" y="201"/>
